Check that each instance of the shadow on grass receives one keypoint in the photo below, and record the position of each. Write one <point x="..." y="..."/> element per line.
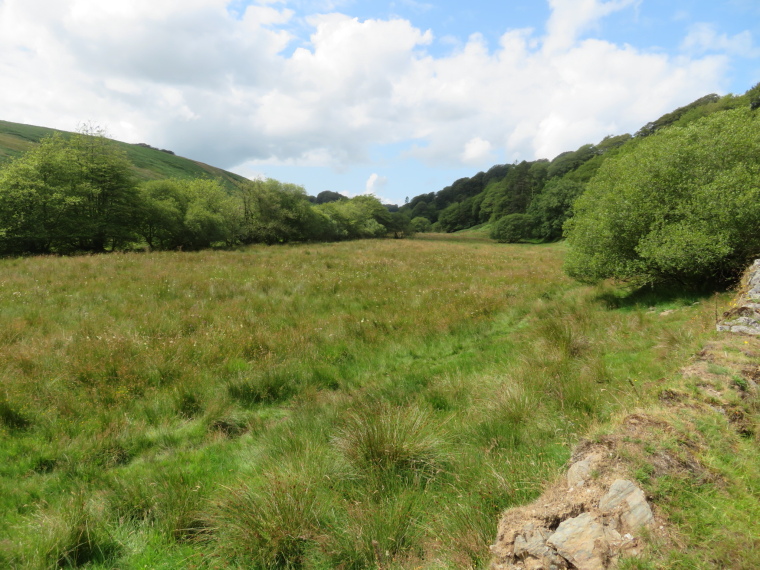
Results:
<point x="667" y="295"/>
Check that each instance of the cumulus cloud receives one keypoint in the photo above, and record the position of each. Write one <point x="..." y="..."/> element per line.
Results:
<point x="477" y="151"/>
<point x="229" y="87"/>
<point x="570" y="18"/>
<point x="375" y="184"/>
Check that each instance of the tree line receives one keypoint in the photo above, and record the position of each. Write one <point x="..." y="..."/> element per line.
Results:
<point x="677" y="201"/>
<point x="77" y="194"/>
<point x="681" y="205"/>
<point x="533" y="199"/>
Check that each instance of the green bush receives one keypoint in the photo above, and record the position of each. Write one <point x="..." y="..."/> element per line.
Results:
<point x="421" y="225"/>
<point x="683" y="204"/>
<point x="512" y="228"/>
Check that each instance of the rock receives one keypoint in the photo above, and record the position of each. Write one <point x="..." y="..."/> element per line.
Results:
<point x="581" y="542"/>
<point x="744" y="317"/>
<point x="580" y="471"/>
<point x="532" y="543"/>
<point x="530" y="547"/>
<point x="631" y="501"/>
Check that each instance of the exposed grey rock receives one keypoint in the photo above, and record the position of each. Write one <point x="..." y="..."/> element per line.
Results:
<point x="532" y="544"/>
<point x="580" y="471"/>
<point x="744" y="317"/>
<point x="596" y="525"/>
<point x="581" y="541"/>
<point x="635" y="511"/>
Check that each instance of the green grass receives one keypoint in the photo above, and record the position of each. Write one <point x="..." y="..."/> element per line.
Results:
<point x="147" y="163"/>
<point x="364" y="404"/>
<point x="703" y="469"/>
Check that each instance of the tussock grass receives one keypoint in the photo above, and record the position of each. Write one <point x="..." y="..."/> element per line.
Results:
<point x="382" y="441"/>
<point x="366" y="404"/>
<point x="74" y="534"/>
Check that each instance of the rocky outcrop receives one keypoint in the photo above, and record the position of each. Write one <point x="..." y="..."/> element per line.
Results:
<point x="597" y="514"/>
<point x="588" y="523"/>
<point x="744" y="315"/>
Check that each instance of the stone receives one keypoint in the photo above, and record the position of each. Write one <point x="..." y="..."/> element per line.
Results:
<point x="581" y="542"/>
<point x="626" y="496"/>
<point x="744" y="317"/>
<point x="580" y="471"/>
<point x="531" y="544"/>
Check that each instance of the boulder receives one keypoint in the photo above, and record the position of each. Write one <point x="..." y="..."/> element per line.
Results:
<point x="581" y="541"/>
<point x="630" y="502"/>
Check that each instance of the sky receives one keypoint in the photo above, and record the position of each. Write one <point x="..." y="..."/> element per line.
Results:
<point x="395" y="98"/>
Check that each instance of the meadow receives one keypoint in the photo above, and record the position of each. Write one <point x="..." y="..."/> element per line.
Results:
<point x="366" y="404"/>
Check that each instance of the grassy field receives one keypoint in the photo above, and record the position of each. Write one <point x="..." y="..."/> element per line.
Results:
<point x="373" y="404"/>
<point x="147" y="163"/>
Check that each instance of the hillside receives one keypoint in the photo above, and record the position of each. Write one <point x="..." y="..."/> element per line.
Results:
<point x="544" y="189"/>
<point x="147" y="163"/>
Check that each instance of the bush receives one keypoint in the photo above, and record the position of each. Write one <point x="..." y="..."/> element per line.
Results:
<point x="683" y="204"/>
<point x="512" y="228"/>
<point x="421" y="225"/>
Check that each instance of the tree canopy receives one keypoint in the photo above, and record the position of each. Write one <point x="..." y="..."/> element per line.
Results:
<point x="681" y="204"/>
<point x="67" y="194"/>
<point x="76" y="194"/>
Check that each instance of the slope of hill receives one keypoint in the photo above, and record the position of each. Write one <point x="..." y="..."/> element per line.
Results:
<point x="545" y="189"/>
<point x="148" y="163"/>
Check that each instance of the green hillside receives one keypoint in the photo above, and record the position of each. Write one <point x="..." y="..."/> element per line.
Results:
<point x="148" y="163"/>
<point x="545" y="190"/>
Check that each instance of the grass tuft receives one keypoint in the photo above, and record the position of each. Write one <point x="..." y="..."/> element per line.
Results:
<point x="74" y="535"/>
<point x="271" y="525"/>
<point x="379" y="440"/>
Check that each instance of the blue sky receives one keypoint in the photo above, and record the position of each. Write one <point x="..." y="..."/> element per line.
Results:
<point x="397" y="98"/>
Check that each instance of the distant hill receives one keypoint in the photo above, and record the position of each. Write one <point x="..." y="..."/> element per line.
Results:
<point x="149" y="163"/>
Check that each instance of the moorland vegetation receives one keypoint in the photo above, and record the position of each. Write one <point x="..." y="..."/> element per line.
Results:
<point x="318" y="405"/>
<point x="330" y="403"/>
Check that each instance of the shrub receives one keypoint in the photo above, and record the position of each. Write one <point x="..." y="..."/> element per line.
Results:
<point x="512" y="228"/>
<point x="421" y="225"/>
<point x="683" y="204"/>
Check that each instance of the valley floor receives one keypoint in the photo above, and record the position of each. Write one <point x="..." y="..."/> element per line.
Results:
<point x="369" y="404"/>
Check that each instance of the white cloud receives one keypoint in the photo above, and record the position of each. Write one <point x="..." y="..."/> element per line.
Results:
<point x="704" y="38"/>
<point x="570" y="18"/>
<point x="477" y="151"/>
<point x="375" y="184"/>
<point x="228" y="89"/>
